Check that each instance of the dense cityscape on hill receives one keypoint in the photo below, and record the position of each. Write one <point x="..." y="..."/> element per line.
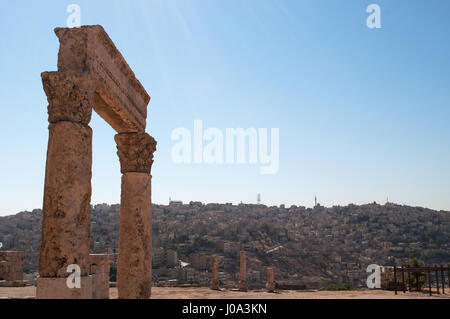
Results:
<point x="308" y="246"/>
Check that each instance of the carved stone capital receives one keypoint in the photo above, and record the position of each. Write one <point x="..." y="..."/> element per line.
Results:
<point x="70" y="96"/>
<point x="135" y="151"/>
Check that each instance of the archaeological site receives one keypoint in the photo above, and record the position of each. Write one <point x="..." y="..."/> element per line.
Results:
<point x="93" y="75"/>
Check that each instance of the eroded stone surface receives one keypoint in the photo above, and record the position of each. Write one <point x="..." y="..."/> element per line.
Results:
<point x="134" y="267"/>
<point x="70" y="96"/>
<point x="56" y="288"/>
<point x="243" y="272"/>
<point x="67" y="195"/>
<point x="11" y="267"/>
<point x="135" y="151"/>
<point x="92" y="74"/>
<point x="214" y="273"/>
<point x="100" y="267"/>
<point x="120" y="98"/>
<point x="270" y="285"/>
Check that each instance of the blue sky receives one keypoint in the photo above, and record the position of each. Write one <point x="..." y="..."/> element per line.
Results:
<point x="363" y="113"/>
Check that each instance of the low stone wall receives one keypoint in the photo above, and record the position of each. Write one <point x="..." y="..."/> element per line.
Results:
<point x="11" y="268"/>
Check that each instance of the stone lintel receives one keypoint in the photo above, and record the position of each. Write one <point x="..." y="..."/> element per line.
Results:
<point x="135" y="151"/>
<point x="120" y="99"/>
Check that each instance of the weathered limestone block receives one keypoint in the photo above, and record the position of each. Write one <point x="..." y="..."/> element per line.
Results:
<point x="243" y="272"/>
<point x="56" y="288"/>
<point x="67" y="195"/>
<point x="134" y="268"/>
<point x="120" y="99"/>
<point x="215" y="273"/>
<point x="100" y="266"/>
<point x="135" y="151"/>
<point x="270" y="285"/>
<point x="70" y="96"/>
<point x="11" y="266"/>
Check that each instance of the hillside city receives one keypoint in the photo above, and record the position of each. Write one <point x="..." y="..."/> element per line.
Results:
<point x="305" y="246"/>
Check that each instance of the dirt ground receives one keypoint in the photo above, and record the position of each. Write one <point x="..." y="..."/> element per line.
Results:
<point x="206" y="293"/>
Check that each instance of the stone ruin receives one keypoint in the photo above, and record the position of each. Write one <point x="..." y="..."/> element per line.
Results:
<point x="270" y="284"/>
<point x="93" y="75"/>
<point x="243" y="272"/>
<point x="100" y="266"/>
<point x="11" y="268"/>
<point x="214" y="273"/>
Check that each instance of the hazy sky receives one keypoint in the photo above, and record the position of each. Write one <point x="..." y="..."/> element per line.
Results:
<point x="363" y="114"/>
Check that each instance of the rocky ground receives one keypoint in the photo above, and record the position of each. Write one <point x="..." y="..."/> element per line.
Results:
<point x="206" y="293"/>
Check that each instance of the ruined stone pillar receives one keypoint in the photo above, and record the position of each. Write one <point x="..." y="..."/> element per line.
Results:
<point x="270" y="285"/>
<point x="11" y="268"/>
<point x="100" y="267"/>
<point x="134" y="267"/>
<point x="243" y="272"/>
<point x="215" y="273"/>
<point x="67" y="189"/>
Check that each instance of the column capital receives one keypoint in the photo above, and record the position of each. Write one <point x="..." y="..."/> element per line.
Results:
<point x="135" y="151"/>
<point x="70" y="96"/>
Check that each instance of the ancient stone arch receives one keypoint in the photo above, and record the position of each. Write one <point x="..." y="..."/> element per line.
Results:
<point x="92" y="74"/>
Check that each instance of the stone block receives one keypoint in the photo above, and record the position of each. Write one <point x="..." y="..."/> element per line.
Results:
<point x="120" y="99"/>
<point x="56" y="288"/>
<point x="100" y="267"/>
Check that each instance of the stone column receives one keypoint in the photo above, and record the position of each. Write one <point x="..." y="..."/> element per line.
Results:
<point x="215" y="273"/>
<point x="243" y="272"/>
<point x="67" y="190"/>
<point x="11" y="268"/>
<point x="270" y="285"/>
<point x="134" y="266"/>
<point x="100" y="267"/>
